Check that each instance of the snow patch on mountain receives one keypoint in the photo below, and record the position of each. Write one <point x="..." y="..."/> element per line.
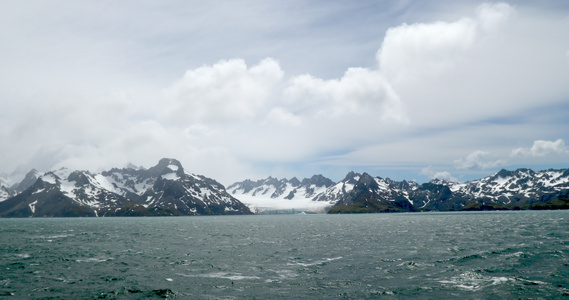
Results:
<point x="33" y="206"/>
<point x="4" y="193"/>
<point x="50" y="178"/>
<point x="170" y="176"/>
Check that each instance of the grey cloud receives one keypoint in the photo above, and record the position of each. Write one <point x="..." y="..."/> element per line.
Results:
<point x="91" y="87"/>
<point x="478" y="160"/>
<point x="542" y="148"/>
<point x="443" y="175"/>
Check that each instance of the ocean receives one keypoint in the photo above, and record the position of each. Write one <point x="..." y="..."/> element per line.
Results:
<point x="482" y="255"/>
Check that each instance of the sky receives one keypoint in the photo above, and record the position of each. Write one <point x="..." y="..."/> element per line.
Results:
<point x="235" y="90"/>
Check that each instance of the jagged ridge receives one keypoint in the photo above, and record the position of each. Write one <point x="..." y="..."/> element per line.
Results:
<point x="165" y="189"/>
<point x="357" y="192"/>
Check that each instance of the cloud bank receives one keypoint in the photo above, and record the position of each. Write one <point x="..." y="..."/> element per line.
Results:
<point x="455" y="91"/>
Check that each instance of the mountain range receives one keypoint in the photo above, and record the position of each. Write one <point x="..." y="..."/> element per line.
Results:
<point x="168" y="190"/>
<point x="361" y="193"/>
<point x="163" y="190"/>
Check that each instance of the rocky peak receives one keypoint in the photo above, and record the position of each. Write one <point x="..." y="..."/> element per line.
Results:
<point x="247" y="185"/>
<point x="294" y="181"/>
<point x="352" y="177"/>
<point x="504" y="174"/>
<point x="367" y="180"/>
<point x="318" y="180"/>
<point x="30" y="178"/>
<point x="271" y="181"/>
<point x="165" y="166"/>
<point x="79" y="178"/>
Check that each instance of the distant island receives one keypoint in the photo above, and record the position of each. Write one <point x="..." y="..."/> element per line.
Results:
<point x="167" y="189"/>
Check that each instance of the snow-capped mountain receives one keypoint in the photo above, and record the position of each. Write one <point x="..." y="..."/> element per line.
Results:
<point x="356" y="185"/>
<point x="274" y="194"/>
<point x="365" y="193"/>
<point x="520" y="189"/>
<point x="5" y="192"/>
<point x="165" y="189"/>
<point x="338" y="191"/>
<point x="9" y="189"/>
<point x="319" y="193"/>
<point x="4" y="187"/>
<point x="28" y="181"/>
<point x="510" y="186"/>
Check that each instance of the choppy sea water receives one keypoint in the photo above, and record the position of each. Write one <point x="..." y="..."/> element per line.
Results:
<point x="493" y="255"/>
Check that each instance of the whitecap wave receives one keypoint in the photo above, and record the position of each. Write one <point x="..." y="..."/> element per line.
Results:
<point x="225" y="275"/>
<point x="472" y="281"/>
<point x="314" y="263"/>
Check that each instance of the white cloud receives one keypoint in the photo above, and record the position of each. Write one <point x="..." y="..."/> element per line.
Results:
<point x="226" y="91"/>
<point x="494" y="64"/>
<point x="281" y="116"/>
<point x="359" y="92"/>
<point x="237" y="107"/>
<point x="410" y="52"/>
<point x="485" y="160"/>
<point x="542" y="148"/>
<point x="478" y="160"/>
<point x="443" y="175"/>
<point x="493" y="15"/>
